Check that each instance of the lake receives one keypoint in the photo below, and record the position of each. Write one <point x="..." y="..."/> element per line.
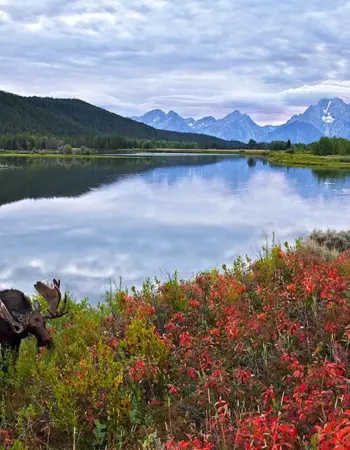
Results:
<point x="88" y="222"/>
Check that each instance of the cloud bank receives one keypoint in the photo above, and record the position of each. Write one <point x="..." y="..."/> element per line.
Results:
<point x="269" y="59"/>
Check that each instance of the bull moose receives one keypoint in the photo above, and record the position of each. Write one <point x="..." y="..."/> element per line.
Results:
<point x="19" y="318"/>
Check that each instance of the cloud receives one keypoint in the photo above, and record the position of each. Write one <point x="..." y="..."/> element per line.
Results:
<point x="198" y="57"/>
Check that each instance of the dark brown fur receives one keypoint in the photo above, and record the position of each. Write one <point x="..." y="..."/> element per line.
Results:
<point x="20" y="308"/>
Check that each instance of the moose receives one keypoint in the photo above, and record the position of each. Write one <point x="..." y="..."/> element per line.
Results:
<point x="19" y="318"/>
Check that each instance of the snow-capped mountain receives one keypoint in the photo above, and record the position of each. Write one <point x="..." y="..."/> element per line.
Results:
<point x="159" y="119"/>
<point x="152" y="118"/>
<point x="235" y="126"/>
<point x="190" y="122"/>
<point x="330" y="117"/>
<point x="205" y="125"/>
<point x="295" y="131"/>
<point x="239" y="126"/>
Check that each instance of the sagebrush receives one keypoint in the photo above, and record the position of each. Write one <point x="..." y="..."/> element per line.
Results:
<point x="332" y="239"/>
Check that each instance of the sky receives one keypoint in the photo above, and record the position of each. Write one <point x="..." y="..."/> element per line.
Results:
<point x="270" y="59"/>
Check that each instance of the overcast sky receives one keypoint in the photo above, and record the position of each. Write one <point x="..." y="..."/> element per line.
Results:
<point x="267" y="58"/>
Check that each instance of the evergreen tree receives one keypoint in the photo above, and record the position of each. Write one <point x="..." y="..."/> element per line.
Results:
<point x="252" y="144"/>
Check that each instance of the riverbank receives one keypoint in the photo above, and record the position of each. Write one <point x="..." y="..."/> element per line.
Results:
<point x="58" y="156"/>
<point x="134" y="152"/>
<point x="299" y="159"/>
<point x="206" y="151"/>
<point x="278" y="158"/>
<point x="253" y="356"/>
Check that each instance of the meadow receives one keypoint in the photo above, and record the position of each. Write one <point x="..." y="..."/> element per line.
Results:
<point x="254" y="356"/>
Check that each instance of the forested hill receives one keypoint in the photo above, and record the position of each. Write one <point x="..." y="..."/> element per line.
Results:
<point x="73" y="117"/>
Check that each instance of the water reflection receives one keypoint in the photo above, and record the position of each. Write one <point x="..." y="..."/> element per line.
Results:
<point x="251" y="162"/>
<point x="331" y="174"/>
<point x="128" y="220"/>
<point x="45" y="177"/>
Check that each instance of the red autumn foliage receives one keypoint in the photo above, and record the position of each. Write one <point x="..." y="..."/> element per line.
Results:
<point x="270" y="346"/>
<point x="252" y="358"/>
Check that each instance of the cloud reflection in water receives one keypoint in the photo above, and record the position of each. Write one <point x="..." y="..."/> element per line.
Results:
<point x="145" y="226"/>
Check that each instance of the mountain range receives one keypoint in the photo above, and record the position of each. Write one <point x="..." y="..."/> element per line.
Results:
<point x="330" y="117"/>
<point x="74" y="117"/>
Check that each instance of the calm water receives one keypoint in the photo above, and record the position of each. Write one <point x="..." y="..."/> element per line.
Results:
<point x="89" y="222"/>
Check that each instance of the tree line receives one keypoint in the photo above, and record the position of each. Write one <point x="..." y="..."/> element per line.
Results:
<point x="324" y="147"/>
<point x="273" y="145"/>
<point x="104" y="143"/>
<point x="327" y="146"/>
<point x="91" y="144"/>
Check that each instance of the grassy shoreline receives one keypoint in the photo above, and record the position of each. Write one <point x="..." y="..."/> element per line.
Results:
<point x="308" y="160"/>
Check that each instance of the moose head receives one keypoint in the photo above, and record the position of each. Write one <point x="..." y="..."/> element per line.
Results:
<point x="17" y="311"/>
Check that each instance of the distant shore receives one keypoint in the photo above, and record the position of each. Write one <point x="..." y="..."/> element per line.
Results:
<point x="204" y="151"/>
<point x="58" y="156"/>
<point x="134" y="152"/>
<point x="281" y="158"/>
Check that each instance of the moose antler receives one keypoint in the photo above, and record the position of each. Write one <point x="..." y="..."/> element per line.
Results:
<point x="17" y="326"/>
<point x="52" y="296"/>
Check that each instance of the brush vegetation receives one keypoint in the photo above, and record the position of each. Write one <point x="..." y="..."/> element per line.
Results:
<point x="255" y="356"/>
